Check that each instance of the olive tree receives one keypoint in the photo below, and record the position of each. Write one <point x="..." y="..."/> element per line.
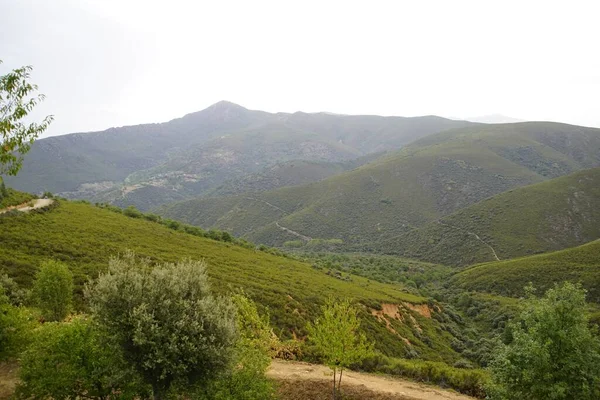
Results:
<point x="167" y="323"/>
<point x="552" y="353"/>
<point x="336" y="337"/>
<point x="53" y="290"/>
<point x="17" y="99"/>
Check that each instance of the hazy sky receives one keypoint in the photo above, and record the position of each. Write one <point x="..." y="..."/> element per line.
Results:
<point x="117" y="62"/>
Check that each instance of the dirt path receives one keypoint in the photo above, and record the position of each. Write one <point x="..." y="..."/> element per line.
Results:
<point x="286" y="370"/>
<point x="301" y="236"/>
<point x="37" y="203"/>
<point x="472" y="234"/>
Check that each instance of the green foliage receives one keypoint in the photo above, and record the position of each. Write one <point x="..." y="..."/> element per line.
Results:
<point x="553" y="215"/>
<point x="72" y="360"/>
<point x="53" y="290"/>
<point x="13" y="198"/>
<point x="336" y="336"/>
<point x="426" y="180"/>
<point x="551" y="353"/>
<point x="468" y="381"/>
<point x="17" y="100"/>
<point x="292" y="291"/>
<point x="246" y="380"/>
<point x="16" y="295"/>
<point x="578" y="264"/>
<point x="168" y="324"/>
<point x="16" y="324"/>
<point x="132" y="212"/>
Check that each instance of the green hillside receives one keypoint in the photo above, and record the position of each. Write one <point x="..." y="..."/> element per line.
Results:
<point x="84" y="237"/>
<point x="578" y="264"/>
<point x="425" y="181"/>
<point x="552" y="215"/>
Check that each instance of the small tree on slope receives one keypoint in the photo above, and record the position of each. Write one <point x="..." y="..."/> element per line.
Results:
<point x="335" y="335"/>
<point x="165" y="319"/>
<point x="552" y="351"/>
<point x="53" y="290"/>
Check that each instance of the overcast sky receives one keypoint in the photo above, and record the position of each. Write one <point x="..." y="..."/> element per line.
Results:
<point x="117" y="62"/>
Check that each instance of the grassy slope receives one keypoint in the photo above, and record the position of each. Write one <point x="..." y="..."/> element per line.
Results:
<point x="578" y="264"/>
<point x="14" y="198"/>
<point x="85" y="237"/>
<point x="433" y="177"/>
<point x="548" y="216"/>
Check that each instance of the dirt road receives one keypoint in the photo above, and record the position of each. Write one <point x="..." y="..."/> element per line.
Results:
<point x="285" y="370"/>
<point x="37" y="203"/>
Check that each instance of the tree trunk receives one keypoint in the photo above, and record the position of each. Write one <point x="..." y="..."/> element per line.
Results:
<point x="334" y="384"/>
<point x="339" y="386"/>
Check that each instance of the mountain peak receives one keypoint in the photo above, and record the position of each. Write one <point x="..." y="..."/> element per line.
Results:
<point x="226" y="105"/>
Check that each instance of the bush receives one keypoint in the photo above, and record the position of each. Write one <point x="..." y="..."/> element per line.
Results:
<point x="53" y="290"/>
<point x="166" y="321"/>
<point x="73" y="360"/>
<point x="132" y="212"/>
<point x="16" y="324"/>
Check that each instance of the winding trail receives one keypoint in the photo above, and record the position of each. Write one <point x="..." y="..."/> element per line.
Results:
<point x="267" y="203"/>
<point x="406" y="390"/>
<point x="25" y="207"/>
<point x="472" y="234"/>
<point x="301" y="236"/>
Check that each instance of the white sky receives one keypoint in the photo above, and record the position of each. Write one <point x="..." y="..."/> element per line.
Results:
<point x="117" y="62"/>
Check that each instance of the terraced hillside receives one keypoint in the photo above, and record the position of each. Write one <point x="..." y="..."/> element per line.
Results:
<point x="508" y="278"/>
<point x="84" y="237"/>
<point x="193" y="155"/>
<point x="552" y="215"/>
<point x="429" y="179"/>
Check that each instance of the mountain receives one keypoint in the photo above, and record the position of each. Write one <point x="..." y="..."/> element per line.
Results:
<point x="195" y="154"/>
<point x="429" y="179"/>
<point x="85" y="237"/>
<point x="579" y="264"/>
<point x="552" y="215"/>
<point x="494" y="119"/>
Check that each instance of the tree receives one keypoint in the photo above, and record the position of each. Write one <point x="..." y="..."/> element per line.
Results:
<point x="17" y="100"/>
<point x="246" y="380"/>
<point x="89" y="368"/>
<point x="552" y="351"/>
<point x="170" y="327"/>
<point x="53" y="290"/>
<point x="335" y="335"/>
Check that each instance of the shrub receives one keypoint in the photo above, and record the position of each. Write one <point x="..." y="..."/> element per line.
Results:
<point x="53" y="290"/>
<point x="166" y="321"/>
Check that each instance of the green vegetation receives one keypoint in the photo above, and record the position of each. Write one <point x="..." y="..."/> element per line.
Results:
<point x="53" y="290"/>
<point x="83" y="237"/>
<point x="17" y="100"/>
<point x="165" y="320"/>
<point x="153" y="164"/>
<point x="336" y="337"/>
<point x="578" y="264"/>
<point x="74" y="360"/>
<point x="395" y="194"/>
<point x="13" y="198"/>
<point x="548" y="216"/>
<point x="551" y="352"/>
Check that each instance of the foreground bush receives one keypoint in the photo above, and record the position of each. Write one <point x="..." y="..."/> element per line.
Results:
<point x="551" y="352"/>
<point x="73" y="360"/>
<point x="168" y="325"/>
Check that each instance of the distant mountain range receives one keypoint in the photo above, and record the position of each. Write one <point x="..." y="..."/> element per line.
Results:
<point x="494" y="119"/>
<point x="401" y="192"/>
<point x="152" y="164"/>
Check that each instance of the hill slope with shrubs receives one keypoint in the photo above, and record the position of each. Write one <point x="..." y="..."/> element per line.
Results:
<point x="429" y="179"/>
<point x="508" y="278"/>
<point x="84" y="237"/>
<point x="548" y="216"/>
